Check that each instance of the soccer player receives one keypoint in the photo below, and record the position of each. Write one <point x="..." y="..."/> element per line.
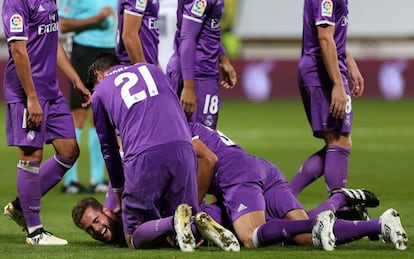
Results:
<point x="199" y="57"/>
<point x="102" y="224"/>
<point x="157" y="173"/>
<point x="36" y="111"/>
<point x="264" y="211"/>
<point x="324" y="68"/>
<point x="137" y="34"/>
<point x="92" y="28"/>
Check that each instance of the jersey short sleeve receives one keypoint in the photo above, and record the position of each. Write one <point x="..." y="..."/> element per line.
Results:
<point x="196" y="10"/>
<point x="137" y="7"/>
<point x="15" y="20"/>
<point x="324" y="12"/>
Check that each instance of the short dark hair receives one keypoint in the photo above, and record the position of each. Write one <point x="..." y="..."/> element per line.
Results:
<point x="79" y="209"/>
<point x="101" y="62"/>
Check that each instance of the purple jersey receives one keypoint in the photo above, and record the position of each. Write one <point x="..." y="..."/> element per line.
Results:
<point x="248" y="167"/>
<point x="37" y="22"/>
<point x="139" y="103"/>
<point x="312" y="70"/>
<point x="198" y="38"/>
<point x="242" y="182"/>
<point x="148" y="32"/>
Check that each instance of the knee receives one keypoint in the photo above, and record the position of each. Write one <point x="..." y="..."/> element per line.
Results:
<point x="74" y="152"/>
<point x="71" y="151"/>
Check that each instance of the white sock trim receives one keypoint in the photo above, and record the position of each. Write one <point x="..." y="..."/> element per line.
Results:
<point x="61" y="163"/>
<point x="25" y="165"/>
<point x="255" y="240"/>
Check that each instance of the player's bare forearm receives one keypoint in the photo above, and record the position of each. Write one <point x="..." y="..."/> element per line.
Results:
<point x="69" y="25"/>
<point x="66" y="67"/>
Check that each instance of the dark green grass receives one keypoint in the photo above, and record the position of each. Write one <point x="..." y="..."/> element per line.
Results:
<point x="382" y="160"/>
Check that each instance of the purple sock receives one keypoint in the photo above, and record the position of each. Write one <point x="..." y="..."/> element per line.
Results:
<point x="28" y="188"/>
<point x="336" y="167"/>
<point x="149" y="231"/>
<point x="278" y="230"/>
<point x="334" y="202"/>
<point x="52" y="171"/>
<point x="346" y="231"/>
<point x="311" y="170"/>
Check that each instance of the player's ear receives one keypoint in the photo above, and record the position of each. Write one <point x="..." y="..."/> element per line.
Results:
<point x="106" y="211"/>
<point x="99" y="75"/>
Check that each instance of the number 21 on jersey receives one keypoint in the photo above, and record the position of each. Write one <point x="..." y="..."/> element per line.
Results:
<point x="128" y="80"/>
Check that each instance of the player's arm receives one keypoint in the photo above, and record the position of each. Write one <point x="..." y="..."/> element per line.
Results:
<point x="131" y="25"/>
<point x="23" y="69"/>
<point x="66" y="67"/>
<point x="110" y="149"/>
<point x="355" y="76"/>
<point x="207" y="162"/>
<point x="330" y="59"/>
<point x="69" y="25"/>
<point x="228" y="73"/>
<point x="190" y="29"/>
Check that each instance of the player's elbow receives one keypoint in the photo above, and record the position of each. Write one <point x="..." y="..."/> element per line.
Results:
<point x="211" y="160"/>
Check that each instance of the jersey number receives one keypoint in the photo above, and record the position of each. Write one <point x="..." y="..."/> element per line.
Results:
<point x="211" y="104"/>
<point x="128" y="80"/>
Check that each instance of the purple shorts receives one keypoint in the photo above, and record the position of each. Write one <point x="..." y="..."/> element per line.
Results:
<point x="316" y="101"/>
<point x="57" y="123"/>
<point x="269" y="191"/>
<point x="208" y="96"/>
<point x="157" y="181"/>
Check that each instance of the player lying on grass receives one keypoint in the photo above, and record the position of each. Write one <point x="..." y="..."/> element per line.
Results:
<point x="261" y="206"/>
<point x="101" y="223"/>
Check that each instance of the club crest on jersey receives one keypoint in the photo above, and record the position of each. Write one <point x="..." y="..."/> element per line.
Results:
<point x="16" y="23"/>
<point x="141" y="5"/>
<point x="199" y="7"/>
<point x="327" y="8"/>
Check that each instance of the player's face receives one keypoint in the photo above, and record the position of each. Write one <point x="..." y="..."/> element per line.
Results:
<point x="100" y="224"/>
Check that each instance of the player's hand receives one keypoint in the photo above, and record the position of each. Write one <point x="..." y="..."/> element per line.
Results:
<point x="228" y="74"/>
<point x="188" y="97"/>
<point x="83" y="93"/>
<point x="34" y="113"/>
<point x="357" y="82"/>
<point x="118" y="207"/>
<point x="338" y="102"/>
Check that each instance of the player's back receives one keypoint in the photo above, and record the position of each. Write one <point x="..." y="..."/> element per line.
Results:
<point x="143" y="107"/>
<point x="234" y="165"/>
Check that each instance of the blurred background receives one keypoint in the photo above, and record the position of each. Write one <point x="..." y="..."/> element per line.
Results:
<point x="263" y="37"/>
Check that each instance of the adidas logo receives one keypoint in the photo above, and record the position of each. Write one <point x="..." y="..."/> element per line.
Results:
<point x="241" y="207"/>
<point x="41" y="8"/>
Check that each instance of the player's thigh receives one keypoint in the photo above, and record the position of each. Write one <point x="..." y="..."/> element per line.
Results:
<point x="280" y="201"/>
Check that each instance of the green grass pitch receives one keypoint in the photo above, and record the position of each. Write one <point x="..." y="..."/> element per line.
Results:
<point x="382" y="160"/>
